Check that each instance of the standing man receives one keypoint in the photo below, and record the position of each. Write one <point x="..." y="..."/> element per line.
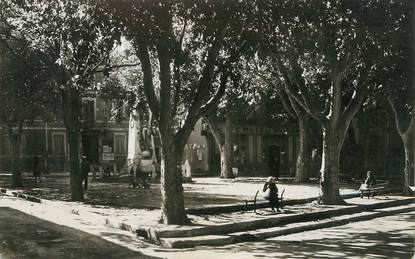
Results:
<point x="277" y="166"/>
<point x="274" y="166"/>
<point x="84" y="172"/>
<point x="37" y="170"/>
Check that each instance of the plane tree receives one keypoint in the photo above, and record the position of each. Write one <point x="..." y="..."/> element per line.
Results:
<point x="25" y="95"/>
<point x="76" y="37"/>
<point x="395" y="70"/>
<point x="270" y="76"/>
<point x="322" y="50"/>
<point x="238" y="98"/>
<point x="183" y="58"/>
<point x="26" y="89"/>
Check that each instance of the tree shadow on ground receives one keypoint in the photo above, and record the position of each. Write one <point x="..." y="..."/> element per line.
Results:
<point x="339" y="242"/>
<point x="114" y="194"/>
<point x="25" y="236"/>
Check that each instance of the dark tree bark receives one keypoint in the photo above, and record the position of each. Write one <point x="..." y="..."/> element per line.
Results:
<point x="171" y="187"/>
<point x="15" y="136"/>
<point x="226" y="150"/>
<point x="408" y="138"/>
<point x="329" y="181"/>
<point x="71" y="107"/>
<point x="302" y="172"/>
<point x="408" y="142"/>
<point x="164" y="103"/>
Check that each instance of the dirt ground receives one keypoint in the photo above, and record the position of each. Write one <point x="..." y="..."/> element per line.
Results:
<point x="115" y="191"/>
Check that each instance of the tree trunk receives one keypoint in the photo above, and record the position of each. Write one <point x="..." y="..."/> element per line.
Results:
<point x="16" y="142"/>
<point x="172" y="198"/>
<point x="71" y="107"/>
<point x="46" y="151"/>
<point x="226" y="149"/>
<point x="302" y="172"/>
<point x="153" y="143"/>
<point x="408" y="142"/>
<point x="329" y="182"/>
<point x="224" y="142"/>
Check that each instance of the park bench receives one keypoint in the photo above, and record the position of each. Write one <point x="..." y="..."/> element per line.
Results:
<point x="371" y="191"/>
<point x="254" y="201"/>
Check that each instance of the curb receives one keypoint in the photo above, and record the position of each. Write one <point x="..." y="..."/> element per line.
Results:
<point x="233" y="238"/>
<point x="218" y="209"/>
<point x="26" y="197"/>
<point x="341" y="220"/>
<point x="223" y="229"/>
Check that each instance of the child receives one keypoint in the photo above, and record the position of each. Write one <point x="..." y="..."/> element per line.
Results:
<point x="272" y="195"/>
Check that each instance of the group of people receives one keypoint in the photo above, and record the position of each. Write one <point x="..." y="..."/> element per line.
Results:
<point x="138" y="178"/>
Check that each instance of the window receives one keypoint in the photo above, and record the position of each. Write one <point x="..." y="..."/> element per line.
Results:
<point x="32" y="143"/>
<point x="58" y="143"/>
<point x="88" y="110"/>
<point x="120" y="143"/>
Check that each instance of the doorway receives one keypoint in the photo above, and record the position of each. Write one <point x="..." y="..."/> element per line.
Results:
<point x="90" y="148"/>
<point x="274" y="155"/>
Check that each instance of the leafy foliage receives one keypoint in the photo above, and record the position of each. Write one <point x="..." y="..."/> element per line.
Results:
<point x="76" y="36"/>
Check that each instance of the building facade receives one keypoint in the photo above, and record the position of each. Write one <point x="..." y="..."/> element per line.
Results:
<point x="254" y="148"/>
<point x="103" y="141"/>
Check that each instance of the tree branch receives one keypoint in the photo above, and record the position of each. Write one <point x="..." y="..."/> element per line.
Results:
<point x="176" y="70"/>
<point x="149" y="90"/>
<point x="215" y="100"/>
<point x="302" y="98"/>
<point x="214" y="128"/>
<point x="287" y="104"/>
<point x="350" y="111"/>
<point x="116" y="67"/>
<point x="205" y="82"/>
<point x="353" y="106"/>
<point x="396" y="115"/>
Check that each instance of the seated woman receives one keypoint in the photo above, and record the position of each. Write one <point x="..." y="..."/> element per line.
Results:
<point x="272" y="195"/>
<point x="369" y="183"/>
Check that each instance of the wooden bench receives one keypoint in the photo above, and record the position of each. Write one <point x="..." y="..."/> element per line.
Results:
<point x="254" y="201"/>
<point x="371" y="191"/>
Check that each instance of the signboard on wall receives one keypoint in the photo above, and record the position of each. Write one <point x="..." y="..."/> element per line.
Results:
<point x="106" y="149"/>
<point x="255" y="130"/>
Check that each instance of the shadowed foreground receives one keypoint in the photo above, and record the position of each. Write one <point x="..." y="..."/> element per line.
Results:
<point x="25" y="236"/>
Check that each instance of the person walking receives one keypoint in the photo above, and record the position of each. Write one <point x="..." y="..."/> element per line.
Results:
<point x="37" y="170"/>
<point x="272" y="194"/>
<point x="84" y="172"/>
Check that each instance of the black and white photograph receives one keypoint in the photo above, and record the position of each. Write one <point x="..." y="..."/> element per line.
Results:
<point x="204" y="129"/>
